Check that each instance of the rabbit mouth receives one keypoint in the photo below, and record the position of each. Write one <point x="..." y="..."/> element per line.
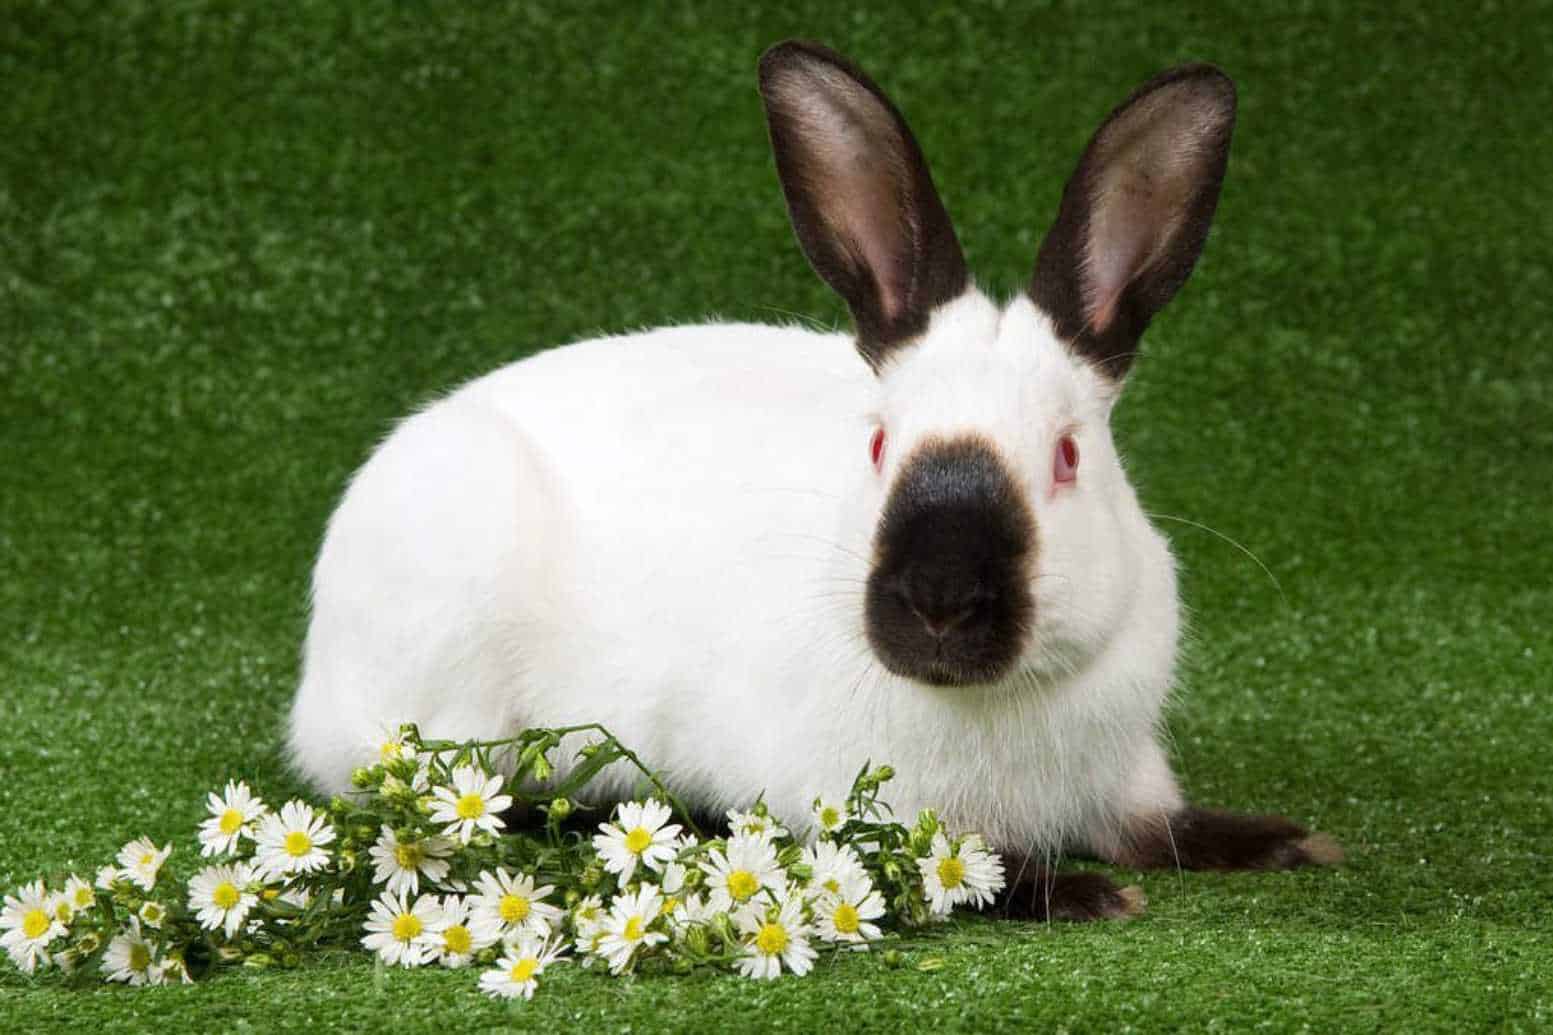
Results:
<point x="947" y="601"/>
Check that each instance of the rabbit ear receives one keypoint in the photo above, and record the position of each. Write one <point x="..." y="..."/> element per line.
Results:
<point x="859" y="193"/>
<point x="1135" y="213"/>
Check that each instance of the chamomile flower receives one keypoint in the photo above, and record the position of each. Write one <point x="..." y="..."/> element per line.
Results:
<point x="692" y="909"/>
<point x="292" y="841"/>
<point x="474" y="802"/>
<point x="76" y="896"/>
<point x="29" y="924"/>
<point x="130" y="958"/>
<point x="232" y="814"/>
<point x="456" y="936"/>
<point x="954" y="875"/>
<point x="627" y="928"/>
<point x="402" y="863"/>
<point x="641" y="833"/>
<point x="775" y="941"/>
<point x="394" y="929"/>
<point x="755" y="824"/>
<point x="517" y="973"/>
<point x="733" y="877"/>
<point x="513" y="905"/>
<point x="828" y="815"/>
<point x="844" y="915"/>
<point x="588" y="924"/>
<point x="152" y="913"/>
<point x="141" y="860"/>
<point x="831" y="866"/>
<point x="169" y="969"/>
<point x="107" y="876"/>
<point x="220" y="896"/>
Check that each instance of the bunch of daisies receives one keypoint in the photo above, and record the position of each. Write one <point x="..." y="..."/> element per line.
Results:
<point x="418" y="867"/>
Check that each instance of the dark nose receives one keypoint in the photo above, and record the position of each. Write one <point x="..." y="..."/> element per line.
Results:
<point x="941" y="600"/>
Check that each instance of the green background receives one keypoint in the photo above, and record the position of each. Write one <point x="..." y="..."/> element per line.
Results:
<point x="238" y="240"/>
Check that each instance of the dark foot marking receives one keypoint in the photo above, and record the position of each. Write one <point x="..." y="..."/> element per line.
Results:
<point x="1207" y="839"/>
<point x="1071" y="896"/>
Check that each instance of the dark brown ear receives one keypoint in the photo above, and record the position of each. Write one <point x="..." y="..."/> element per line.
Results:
<point x="859" y="193"/>
<point x="1135" y="213"/>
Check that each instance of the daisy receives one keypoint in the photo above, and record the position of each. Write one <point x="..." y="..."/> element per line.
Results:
<point x="172" y="968"/>
<point x="76" y="896"/>
<point x="952" y="876"/>
<point x="106" y="876"/>
<point x="637" y="835"/>
<point x="292" y="841"/>
<point x="513" y="905"/>
<point x="517" y="973"/>
<point x="401" y="863"/>
<point x="29" y="924"/>
<point x="455" y="937"/>
<point x="394" y="929"/>
<point x="626" y="929"/>
<point x="231" y="818"/>
<point x="749" y="864"/>
<point x="152" y="913"/>
<point x="831" y="866"/>
<point x="692" y="909"/>
<point x="843" y="916"/>
<point x="473" y="802"/>
<point x="774" y="942"/>
<point x="140" y="860"/>
<point x="754" y="824"/>
<point x="828" y="815"/>
<point x="588" y="924"/>
<point x="129" y="958"/>
<point x="220" y="896"/>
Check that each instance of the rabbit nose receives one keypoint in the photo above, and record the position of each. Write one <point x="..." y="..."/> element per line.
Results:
<point x="940" y="604"/>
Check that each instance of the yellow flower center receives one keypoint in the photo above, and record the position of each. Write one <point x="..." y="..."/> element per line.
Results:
<point x="951" y="872"/>
<point x="638" y="840"/>
<point x="514" y="908"/>
<point x="35" y="922"/>
<point x="148" y="859"/>
<point x="633" y="931"/>
<point x="669" y="905"/>
<point x="523" y="969"/>
<point x="226" y="895"/>
<point x="409" y="856"/>
<point x="772" y="939"/>
<point x="298" y="844"/>
<point x="470" y="806"/>
<point x="458" y="940"/>
<point x="844" y="919"/>
<point x="389" y="750"/>
<point x="406" y="926"/>
<point x="231" y="821"/>
<point x="830" y="816"/>
<point x="151" y="912"/>
<point x="84" y="897"/>
<point x="742" y="884"/>
<point x="63" y="911"/>
<point x="833" y="886"/>
<point x="139" y="957"/>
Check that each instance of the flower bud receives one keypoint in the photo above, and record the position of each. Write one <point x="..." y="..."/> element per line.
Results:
<point x="591" y="877"/>
<point x="760" y="809"/>
<point x="683" y="965"/>
<point x="362" y="777"/>
<point x="892" y="871"/>
<point x="542" y="768"/>
<point x="589" y="750"/>
<point x="573" y="896"/>
<point x="801" y="872"/>
<point x="560" y="808"/>
<point x="696" y="939"/>
<point x="347" y="861"/>
<point x="892" y="958"/>
<point x="884" y="774"/>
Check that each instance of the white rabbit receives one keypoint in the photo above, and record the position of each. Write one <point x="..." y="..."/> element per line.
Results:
<point x="763" y="555"/>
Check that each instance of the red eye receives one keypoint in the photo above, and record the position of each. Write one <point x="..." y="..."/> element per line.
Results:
<point x="1065" y="461"/>
<point x="876" y="447"/>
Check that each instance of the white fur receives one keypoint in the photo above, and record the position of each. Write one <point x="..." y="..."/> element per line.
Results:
<point x="669" y="533"/>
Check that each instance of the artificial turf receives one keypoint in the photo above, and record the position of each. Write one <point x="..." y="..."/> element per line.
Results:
<point x="238" y="240"/>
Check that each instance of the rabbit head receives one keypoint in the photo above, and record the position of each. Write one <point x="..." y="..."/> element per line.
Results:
<point x="1005" y="538"/>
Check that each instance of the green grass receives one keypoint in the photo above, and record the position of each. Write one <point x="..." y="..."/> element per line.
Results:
<point x="237" y="240"/>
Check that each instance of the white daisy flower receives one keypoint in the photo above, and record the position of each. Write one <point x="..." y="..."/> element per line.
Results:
<point x="76" y="897"/>
<point x="220" y="896"/>
<point x="140" y="861"/>
<point x="588" y="924"/>
<point x="474" y="802"/>
<point x="231" y="817"/>
<point x="394" y="929"/>
<point x="638" y="834"/>
<point x="513" y="905"/>
<point x="130" y="957"/>
<point x="292" y="841"/>
<point x="456" y="936"/>
<point x="391" y="748"/>
<point x="733" y="877"/>
<point x="752" y="824"/>
<point x="829" y="815"/>
<point x="627" y="927"/>
<point x="152" y="913"/>
<point x="517" y="972"/>
<point x="29" y="923"/>
<point x="401" y="863"/>
<point x="843" y="916"/>
<point x="772" y="943"/>
<point x="831" y="866"/>
<point x="106" y="876"/>
<point x="951" y="877"/>
<point x="692" y="909"/>
<point x="170" y="969"/>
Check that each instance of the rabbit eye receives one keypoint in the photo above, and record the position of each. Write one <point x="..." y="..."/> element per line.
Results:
<point x="876" y="447"/>
<point x="1065" y="461"/>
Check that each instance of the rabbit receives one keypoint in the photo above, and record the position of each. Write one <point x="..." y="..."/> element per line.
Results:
<point x="762" y="555"/>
